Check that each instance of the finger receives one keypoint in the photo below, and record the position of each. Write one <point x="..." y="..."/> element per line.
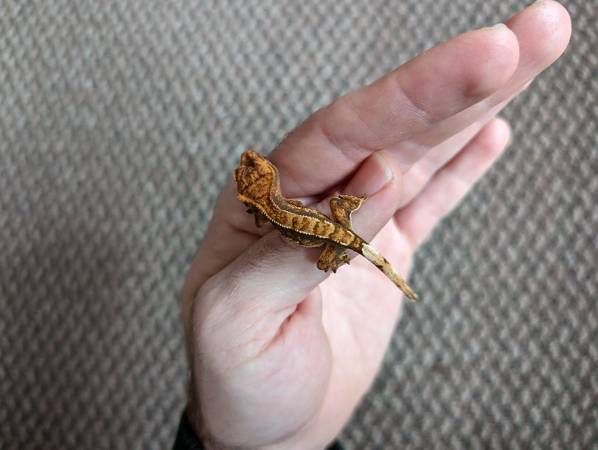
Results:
<point x="432" y="87"/>
<point x="374" y="213"/>
<point x="452" y="182"/>
<point x="543" y="31"/>
<point x="422" y="171"/>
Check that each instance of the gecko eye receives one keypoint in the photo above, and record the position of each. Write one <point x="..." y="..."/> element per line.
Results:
<point x="238" y="174"/>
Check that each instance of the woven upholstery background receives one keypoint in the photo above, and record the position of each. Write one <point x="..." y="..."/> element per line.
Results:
<point x="119" y="122"/>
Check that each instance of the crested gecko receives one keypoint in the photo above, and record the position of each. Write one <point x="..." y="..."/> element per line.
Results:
<point x="258" y="187"/>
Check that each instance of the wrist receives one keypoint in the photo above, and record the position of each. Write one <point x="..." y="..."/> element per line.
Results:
<point x="207" y="441"/>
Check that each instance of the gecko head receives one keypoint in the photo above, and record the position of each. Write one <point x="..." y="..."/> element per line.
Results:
<point x="254" y="176"/>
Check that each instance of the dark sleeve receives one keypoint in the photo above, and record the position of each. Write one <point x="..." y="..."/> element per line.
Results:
<point x="187" y="440"/>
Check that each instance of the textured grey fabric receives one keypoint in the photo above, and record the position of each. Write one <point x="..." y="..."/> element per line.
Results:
<point x="121" y="119"/>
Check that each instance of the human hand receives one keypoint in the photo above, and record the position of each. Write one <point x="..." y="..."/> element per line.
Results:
<point x="280" y="352"/>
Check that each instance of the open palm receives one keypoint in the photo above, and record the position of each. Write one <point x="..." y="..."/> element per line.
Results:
<point x="281" y="352"/>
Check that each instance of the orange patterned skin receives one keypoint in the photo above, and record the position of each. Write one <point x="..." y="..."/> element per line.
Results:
<point x="258" y="187"/>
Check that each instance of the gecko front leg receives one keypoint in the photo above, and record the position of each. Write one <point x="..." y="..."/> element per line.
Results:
<point x="298" y="203"/>
<point x="260" y="218"/>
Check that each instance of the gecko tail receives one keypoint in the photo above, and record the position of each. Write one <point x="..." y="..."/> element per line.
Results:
<point x="373" y="256"/>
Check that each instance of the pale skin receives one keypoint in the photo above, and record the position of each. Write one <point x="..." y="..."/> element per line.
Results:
<point x="281" y="352"/>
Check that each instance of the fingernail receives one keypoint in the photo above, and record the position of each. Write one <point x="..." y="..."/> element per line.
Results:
<point x="375" y="174"/>
<point x="496" y="27"/>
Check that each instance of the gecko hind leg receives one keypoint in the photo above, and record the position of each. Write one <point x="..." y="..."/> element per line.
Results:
<point x="342" y="206"/>
<point x="332" y="257"/>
